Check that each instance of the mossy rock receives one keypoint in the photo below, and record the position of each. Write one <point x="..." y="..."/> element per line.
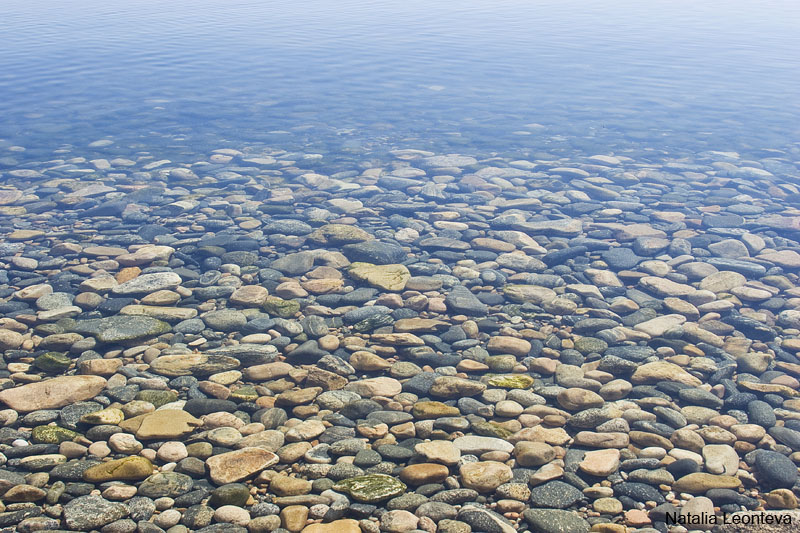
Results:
<point x="373" y="323"/>
<point x="133" y="468"/>
<point x="157" y="397"/>
<point x="231" y="494"/>
<point x="371" y="488"/>
<point x="109" y="416"/>
<point x="518" y="310"/>
<point x="244" y="394"/>
<point x="53" y="362"/>
<point x="511" y="381"/>
<point x="280" y="307"/>
<point x="52" y="435"/>
<point x="121" y="329"/>
<point x="433" y="410"/>
<point x="489" y="429"/>
<point x="201" y="450"/>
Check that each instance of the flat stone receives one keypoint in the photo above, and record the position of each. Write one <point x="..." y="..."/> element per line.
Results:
<point x="556" y="521"/>
<point x="663" y="371"/>
<point x="125" y="469"/>
<point x="122" y="329"/>
<point x="232" y="467"/>
<point x="440" y="451"/>
<point x="52" y="393"/>
<point x="461" y="300"/>
<point x="195" y="364"/>
<point x="510" y="345"/>
<point x="371" y="488"/>
<point x="555" y="495"/>
<point x="147" y="283"/>
<point x="484" y="476"/>
<point x="700" y="482"/>
<point x="424" y="473"/>
<point x="345" y="525"/>
<point x="722" y="281"/>
<point x="86" y="513"/>
<point x="165" y="424"/>
<point x="385" y="277"/>
<point x="601" y="463"/>
<point x="477" y="445"/>
<point x="454" y="387"/>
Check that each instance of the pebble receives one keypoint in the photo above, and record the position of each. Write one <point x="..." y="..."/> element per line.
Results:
<point x="376" y="352"/>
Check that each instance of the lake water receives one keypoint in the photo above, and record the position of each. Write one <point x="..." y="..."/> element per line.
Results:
<point x="525" y="250"/>
<point x="478" y="77"/>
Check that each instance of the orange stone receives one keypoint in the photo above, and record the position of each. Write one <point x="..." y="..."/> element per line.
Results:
<point x="127" y="274"/>
<point x="423" y="473"/>
<point x="636" y="518"/>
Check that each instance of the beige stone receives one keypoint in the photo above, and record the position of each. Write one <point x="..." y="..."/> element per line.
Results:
<point x="485" y="476"/>
<point x="238" y="465"/>
<point x="52" y="393"/>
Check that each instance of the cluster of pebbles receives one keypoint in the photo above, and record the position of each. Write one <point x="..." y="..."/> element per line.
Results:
<point x="425" y="342"/>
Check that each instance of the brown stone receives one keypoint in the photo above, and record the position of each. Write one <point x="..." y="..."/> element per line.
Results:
<point x="423" y="473"/>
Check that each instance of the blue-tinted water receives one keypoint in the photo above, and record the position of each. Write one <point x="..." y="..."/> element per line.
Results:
<point x="479" y="76"/>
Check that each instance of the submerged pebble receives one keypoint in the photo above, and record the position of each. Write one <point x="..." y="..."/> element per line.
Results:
<point x="433" y="342"/>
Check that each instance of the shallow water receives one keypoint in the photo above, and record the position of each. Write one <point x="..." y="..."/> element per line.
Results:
<point x="347" y="77"/>
<point x="544" y="245"/>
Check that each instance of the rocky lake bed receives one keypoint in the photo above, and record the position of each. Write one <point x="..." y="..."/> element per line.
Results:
<point x="253" y="341"/>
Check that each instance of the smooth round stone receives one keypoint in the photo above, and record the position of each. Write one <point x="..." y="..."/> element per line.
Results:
<point x="230" y="494"/>
<point x="575" y="399"/>
<point x="424" y="473"/>
<point x="398" y="521"/>
<point x="508" y="409"/>
<point x="533" y="453"/>
<point x="610" y="506"/>
<point x="484" y="476"/>
<point x="774" y="470"/>
<point x="232" y="514"/>
<point x="371" y="488"/>
<point x="600" y="463"/>
<point x="439" y="451"/>
<point x="555" y="495"/>
<point x="720" y="459"/>
<point x="289" y="486"/>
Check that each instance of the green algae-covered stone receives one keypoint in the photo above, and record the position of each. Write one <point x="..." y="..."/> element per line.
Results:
<point x="371" y="488"/>
<point x="433" y="410"/>
<point x="280" y="307"/>
<point x="231" y="494"/>
<point x="372" y="323"/>
<point x="193" y="364"/>
<point x="489" y="429"/>
<point x="52" y="434"/>
<point x="511" y="381"/>
<point x="157" y="397"/>
<point x="126" y="469"/>
<point x="244" y="394"/>
<point x="108" y="416"/>
<point x="53" y="362"/>
<point x="121" y="329"/>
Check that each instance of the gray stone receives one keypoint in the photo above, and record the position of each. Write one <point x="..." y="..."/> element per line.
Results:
<point x="92" y="512"/>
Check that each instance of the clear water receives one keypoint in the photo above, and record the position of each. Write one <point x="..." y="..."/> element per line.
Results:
<point x="176" y="78"/>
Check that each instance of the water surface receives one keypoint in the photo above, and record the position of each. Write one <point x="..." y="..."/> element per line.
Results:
<point x="479" y="77"/>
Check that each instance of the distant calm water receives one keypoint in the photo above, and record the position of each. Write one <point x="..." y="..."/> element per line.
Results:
<point x="175" y="77"/>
